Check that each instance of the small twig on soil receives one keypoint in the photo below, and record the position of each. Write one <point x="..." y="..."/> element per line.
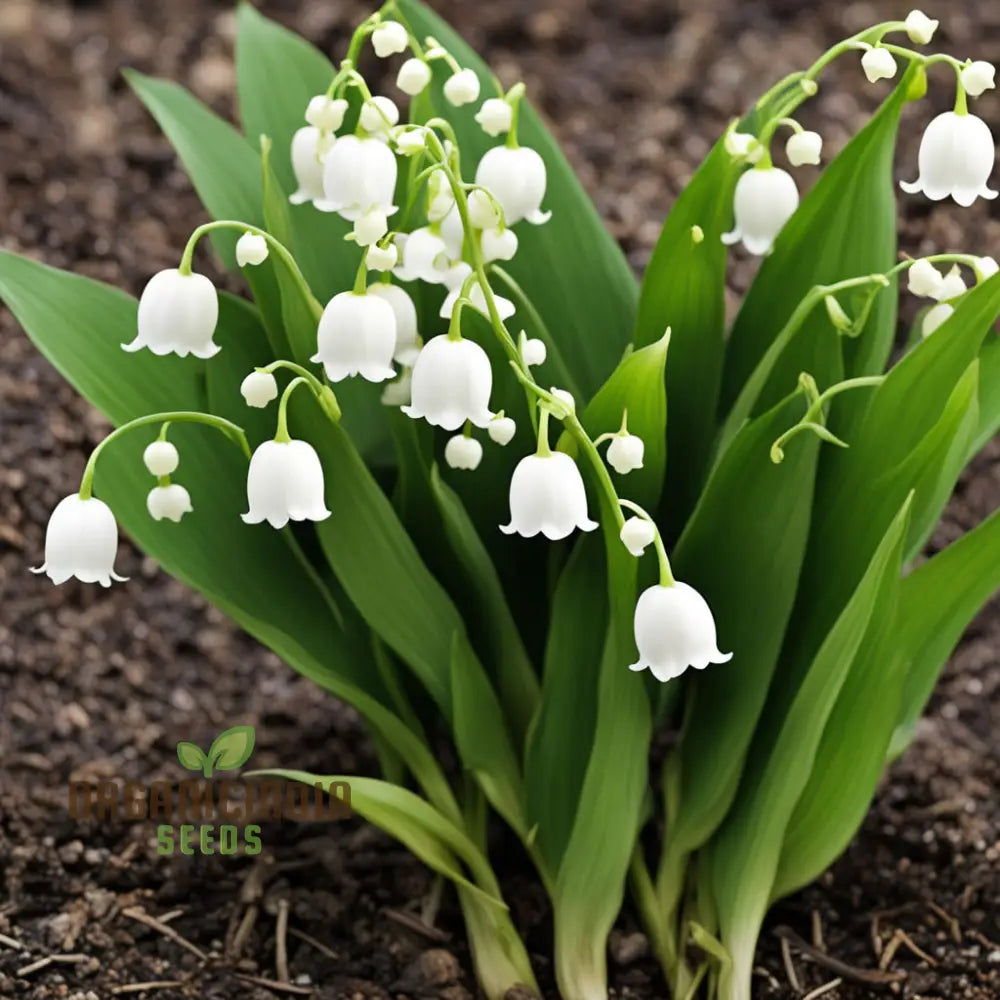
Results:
<point x="817" y="931"/>
<point x="414" y="923"/>
<point x="12" y="943"/>
<point x="156" y="984"/>
<point x="915" y="948"/>
<point x="281" y="942"/>
<point x="835" y="965"/>
<point x="243" y="932"/>
<point x="983" y="940"/>
<point x="821" y="990"/>
<point x="302" y="991"/>
<point x="875" y="936"/>
<point x="790" y="973"/>
<point x="44" y="963"/>
<point x="171" y="915"/>
<point x="140" y="915"/>
<point x="954" y="927"/>
<point x="318" y="945"/>
<point x="890" y="950"/>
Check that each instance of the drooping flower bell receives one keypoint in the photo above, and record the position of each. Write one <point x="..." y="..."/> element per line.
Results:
<point x="764" y="201"/>
<point x="358" y="175"/>
<point x="326" y="113"/>
<point x="547" y="496"/>
<point x="177" y="315"/>
<point x="407" y="335"/>
<point x="81" y="540"/>
<point x="382" y="258"/>
<point x="251" y="249"/>
<point x="919" y="27"/>
<point x="501" y="429"/>
<point x="637" y="535"/>
<point x="258" y="389"/>
<point x="413" y="76"/>
<point x="978" y="77"/>
<point x="285" y="483"/>
<point x="495" y="116"/>
<point x="171" y="502"/>
<point x="804" y="148"/>
<point x="625" y="453"/>
<point x="462" y="87"/>
<point x="878" y="64"/>
<point x="505" y="308"/>
<point x="924" y="279"/>
<point x="308" y="148"/>
<point x="379" y="115"/>
<point x="452" y="382"/>
<point x="955" y="158"/>
<point x="516" y="178"/>
<point x="498" y="244"/>
<point x="357" y="336"/>
<point x="463" y="452"/>
<point x="674" y="630"/>
<point x="161" y="458"/>
<point x="389" y="38"/>
<point x="424" y="256"/>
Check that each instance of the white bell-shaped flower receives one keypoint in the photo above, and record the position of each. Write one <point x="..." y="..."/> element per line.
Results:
<point x="308" y="148"/>
<point x="462" y="87"/>
<point x="258" y="389"/>
<point x="81" y="540"/>
<point x="326" y="113"/>
<point x="955" y="158"/>
<point x="498" y="244"/>
<point x="625" y="453"/>
<point x="637" y="535"/>
<point x="740" y="144"/>
<point x="952" y="285"/>
<point x="424" y="256"/>
<point x="505" y="308"/>
<point x="357" y="336"/>
<point x="674" y="630"/>
<point x="389" y="38"/>
<point x="533" y="350"/>
<point x="978" y="77"/>
<point x="495" y="116"/>
<point x="516" y="178"/>
<point x="382" y="258"/>
<point x="177" y="315"/>
<point x="547" y="496"/>
<point x="370" y="227"/>
<point x="409" y="142"/>
<point x="407" y="336"/>
<point x="919" y="27"/>
<point x="251" y="249"/>
<point x="285" y="483"/>
<point x="358" y="175"/>
<point x="501" y="430"/>
<point x="764" y="201"/>
<point x="452" y="382"/>
<point x="924" y="279"/>
<point x="463" y="452"/>
<point x="161" y="458"/>
<point x="413" y="76"/>
<point x="985" y="268"/>
<point x="878" y="64"/>
<point x="379" y="115"/>
<point x="565" y="397"/>
<point x="804" y="148"/>
<point x="171" y="502"/>
<point x="934" y="317"/>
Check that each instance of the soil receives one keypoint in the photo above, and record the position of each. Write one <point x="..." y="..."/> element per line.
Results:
<point x="104" y="683"/>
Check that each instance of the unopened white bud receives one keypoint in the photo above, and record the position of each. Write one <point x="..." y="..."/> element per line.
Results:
<point x="462" y="87"/>
<point x="625" y="453"/>
<point x="389" y="38"/>
<point x="978" y="77"/>
<point x="533" y="351"/>
<point x="326" y="113"/>
<point x="985" y="268"/>
<point x="637" y="533"/>
<point x="463" y="452"/>
<point x="952" y="285"/>
<point x="171" y="502"/>
<point x="161" y="458"/>
<point x="743" y="144"/>
<point x="565" y="396"/>
<point x="878" y="64"/>
<point x="413" y="76"/>
<point x="371" y="227"/>
<point x="495" y="116"/>
<point x="804" y="148"/>
<point x="379" y="115"/>
<point x="382" y="258"/>
<point x="924" y="279"/>
<point x="409" y="142"/>
<point x="919" y="27"/>
<point x="259" y="388"/>
<point x="501" y="430"/>
<point x="251" y="249"/>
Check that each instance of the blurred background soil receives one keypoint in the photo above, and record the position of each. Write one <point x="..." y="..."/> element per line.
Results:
<point x="104" y="683"/>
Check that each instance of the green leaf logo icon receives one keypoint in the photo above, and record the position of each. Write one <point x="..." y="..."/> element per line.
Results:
<point x="229" y="750"/>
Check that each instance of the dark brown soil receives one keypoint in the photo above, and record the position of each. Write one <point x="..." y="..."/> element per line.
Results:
<point x="100" y="684"/>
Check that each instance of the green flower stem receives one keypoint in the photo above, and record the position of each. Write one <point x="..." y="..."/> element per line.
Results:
<point x="361" y="277"/>
<point x="278" y="247"/>
<point x="543" y="450"/>
<point x="233" y="431"/>
<point x="666" y="573"/>
<point x="514" y="98"/>
<point x="281" y="435"/>
<point x="362" y="31"/>
<point x="326" y="396"/>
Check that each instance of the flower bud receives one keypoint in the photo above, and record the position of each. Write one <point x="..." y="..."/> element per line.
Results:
<point x="382" y="258"/>
<point x="171" y="502"/>
<point x="413" y="76"/>
<point x="463" y="452"/>
<point x="501" y="430"/>
<point x="251" y="249"/>
<point x="285" y="483"/>
<point x="978" y="77"/>
<point x="495" y="116"/>
<point x="739" y="144"/>
<point x="804" y="148"/>
<point x="919" y="27"/>
<point x="533" y="350"/>
<point x="878" y="64"/>
<point x="389" y="38"/>
<point x="839" y="318"/>
<point x="161" y="458"/>
<point x="952" y="285"/>
<point x="637" y="533"/>
<point x="370" y="227"/>
<point x="955" y="158"/>
<point x="81" y="540"/>
<point x="462" y="87"/>
<point x="259" y="388"/>
<point x="326" y="113"/>
<point x="482" y="212"/>
<point x="674" y="629"/>
<point x="379" y="115"/>
<point x="625" y="453"/>
<point x="934" y="317"/>
<point x="924" y="279"/>
<point x="177" y="315"/>
<point x="985" y="268"/>
<point x="410" y="142"/>
<point x="498" y="244"/>
<point x="565" y="397"/>
<point x="547" y="496"/>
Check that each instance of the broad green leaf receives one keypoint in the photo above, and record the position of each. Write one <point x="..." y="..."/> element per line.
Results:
<point x="571" y="268"/>
<point x="684" y="289"/>
<point x="989" y="394"/>
<point x="191" y="756"/>
<point x="746" y="850"/>
<point x="844" y="228"/>
<point x="232" y="748"/>
<point x="742" y="550"/>
<point x="497" y="950"/>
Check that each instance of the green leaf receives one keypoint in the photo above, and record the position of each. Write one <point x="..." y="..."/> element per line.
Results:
<point x="232" y="748"/>
<point x="571" y="268"/>
<point x="747" y="848"/>
<point x="190" y="755"/>
<point x="989" y="394"/>
<point x="844" y="228"/>
<point x="684" y="289"/>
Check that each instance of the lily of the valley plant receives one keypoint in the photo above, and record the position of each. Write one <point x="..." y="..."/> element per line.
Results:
<point x="456" y="465"/>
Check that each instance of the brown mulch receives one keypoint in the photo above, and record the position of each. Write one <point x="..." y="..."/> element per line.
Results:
<point x="99" y="684"/>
